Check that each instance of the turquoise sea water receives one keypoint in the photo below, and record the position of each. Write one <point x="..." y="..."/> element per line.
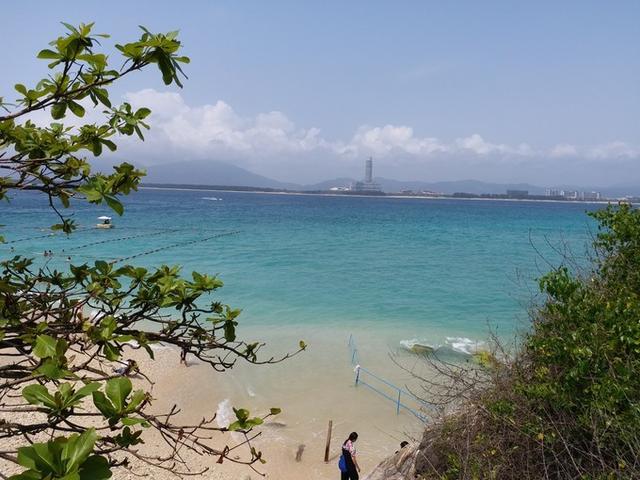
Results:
<point x="406" y="268"/>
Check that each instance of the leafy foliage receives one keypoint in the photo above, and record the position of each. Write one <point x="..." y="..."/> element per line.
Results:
<point x="568" y="405"/>
<point x="48" y="158"/>
<point x="66" y="337"/>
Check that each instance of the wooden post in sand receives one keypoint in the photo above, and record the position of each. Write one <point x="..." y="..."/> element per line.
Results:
<point x="328" y="445"/>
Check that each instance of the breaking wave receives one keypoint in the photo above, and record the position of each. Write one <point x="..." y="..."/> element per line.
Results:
<point x="460" y="345"/>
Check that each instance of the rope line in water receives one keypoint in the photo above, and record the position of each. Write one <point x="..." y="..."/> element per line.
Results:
<point x="359" y="370"/>
<point x="52" y="234"/>
<point x="167" y="247"/>
<point x="119" y="239"/>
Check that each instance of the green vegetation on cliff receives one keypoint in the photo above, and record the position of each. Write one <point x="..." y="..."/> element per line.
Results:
<point x="568" y="405"/>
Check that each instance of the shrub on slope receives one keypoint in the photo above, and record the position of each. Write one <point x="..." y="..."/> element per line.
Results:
<point x="568" y="405"/>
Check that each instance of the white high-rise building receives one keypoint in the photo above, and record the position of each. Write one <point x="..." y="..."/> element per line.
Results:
<point x="368" y="185"/>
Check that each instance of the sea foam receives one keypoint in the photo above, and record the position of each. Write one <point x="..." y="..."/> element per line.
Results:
<point x="224" y="413"/>
<point x="461" y="345"/>
<point x="464" y="345"/>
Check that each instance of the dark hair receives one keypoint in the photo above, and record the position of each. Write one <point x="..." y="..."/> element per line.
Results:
<point x="353" y="436"/>
<point x="403" y="444"/>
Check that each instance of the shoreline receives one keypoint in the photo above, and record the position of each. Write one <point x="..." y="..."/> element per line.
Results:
<point x="293" y="442"/>
<point x="309" y="393"/>
<point x="396" y="197"/>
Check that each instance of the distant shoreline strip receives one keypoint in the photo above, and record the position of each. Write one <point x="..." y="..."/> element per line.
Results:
<point x="349" y="195"/>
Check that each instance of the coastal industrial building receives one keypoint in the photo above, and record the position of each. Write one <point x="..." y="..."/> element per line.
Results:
<point x="368" y="185"/>
<point x="573" y="194"/>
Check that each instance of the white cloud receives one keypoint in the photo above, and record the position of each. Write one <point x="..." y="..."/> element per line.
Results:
<point x="605" y="151"/>
<point x="563" y="150"/>
<point x="183" y="131"/>
<point x="390" y="138"/>
<point x="215" y="128"/>
<point x="613" y="150"/>
<point x="478" y="145"/>
<point x="272" y="144"/>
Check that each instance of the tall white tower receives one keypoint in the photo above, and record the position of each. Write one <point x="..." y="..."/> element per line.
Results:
<point x="368" y="171"/>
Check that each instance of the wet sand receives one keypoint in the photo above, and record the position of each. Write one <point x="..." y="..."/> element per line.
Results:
<point x="312" y="388"/>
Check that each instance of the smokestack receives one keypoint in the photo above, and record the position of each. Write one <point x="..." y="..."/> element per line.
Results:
<point x="368" y="171"/>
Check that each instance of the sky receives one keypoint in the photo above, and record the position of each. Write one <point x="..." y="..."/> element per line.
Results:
<point x="540" y="92"/>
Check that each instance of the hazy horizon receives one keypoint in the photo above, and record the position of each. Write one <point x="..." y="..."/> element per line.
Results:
<point x="219" y="174"/>
<point x="540" y="93"/>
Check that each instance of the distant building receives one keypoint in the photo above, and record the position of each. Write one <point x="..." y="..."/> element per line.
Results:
<point x="590" y="196"/>
<point x="368" y="171"/>
<point x="554" y="192"/>
<point x="571" y="195"/>
<point x="517" y="193"/>
<point x="368" y="185"/>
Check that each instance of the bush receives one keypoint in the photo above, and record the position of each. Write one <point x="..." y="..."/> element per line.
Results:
<point x="568" y="404"/>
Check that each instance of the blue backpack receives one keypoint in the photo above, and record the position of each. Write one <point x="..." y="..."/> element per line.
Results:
<point x="342" y="464"/>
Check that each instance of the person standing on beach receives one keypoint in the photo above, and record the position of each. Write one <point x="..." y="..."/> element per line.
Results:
<point x="183" y="356"/>
<point x="351" y="462"/>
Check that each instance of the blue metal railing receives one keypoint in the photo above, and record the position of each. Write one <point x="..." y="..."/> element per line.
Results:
<point x="398" y="394"/>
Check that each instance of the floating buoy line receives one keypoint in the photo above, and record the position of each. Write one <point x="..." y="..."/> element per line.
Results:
<point x="180" y="244"/>
<point x="26" y="239"/>
<point x="71" y="250"/>
<point x="119" y="239"/>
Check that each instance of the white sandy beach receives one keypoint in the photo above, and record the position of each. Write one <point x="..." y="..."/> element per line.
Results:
<point x="311" y="389"/>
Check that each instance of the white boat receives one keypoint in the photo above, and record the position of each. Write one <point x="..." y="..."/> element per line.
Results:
<point x="106" y="222"/>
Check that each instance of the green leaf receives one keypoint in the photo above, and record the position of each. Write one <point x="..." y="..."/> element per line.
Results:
<point x="114" y="204"/>
<point x="70" y="476"/>
<point x="103" y="404"/>
<point x="96" y="147"/>
<point x="235" y="426"/>
<point x="43" y="457"/>
<point x="38" y="395"/>
<point x="45" y="346"/>
<point x="77" y="449"/>
<point x="136" y="399"/>
<point x="255" y="421"/>
<point x="230" y="330"/>
<point x="165" y="68"/>
<point x="76" y="108"/>
<point x="110" y="145"/>
<point x="117" y="390"/>
<point x="130" y="421"/>
<point x="21" y="89"/>
<point x="95" y="468"/>
<point x="90" y="192"/>
<point x="47" y="54"/>
<point x="103" y="96"/>
<point x="58" y="110"/>
<point x="242" y="414"/>
<point x="52" y="370"/>
<point x="84" y="392"/>
<point x="142" y="113"/>
<point x="26" y="475"/>
<point x="275" y="411"/>
<point x="111" y="352"/>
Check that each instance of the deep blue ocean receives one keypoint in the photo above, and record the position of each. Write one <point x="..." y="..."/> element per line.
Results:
<point x="407" y="268"/>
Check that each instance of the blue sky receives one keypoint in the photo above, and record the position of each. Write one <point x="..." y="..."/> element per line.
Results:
<point x="545" y="92"/>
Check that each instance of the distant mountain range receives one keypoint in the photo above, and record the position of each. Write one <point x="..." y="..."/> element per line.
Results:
<point x="211" y="173"/>
<point x="225" y="174"/>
